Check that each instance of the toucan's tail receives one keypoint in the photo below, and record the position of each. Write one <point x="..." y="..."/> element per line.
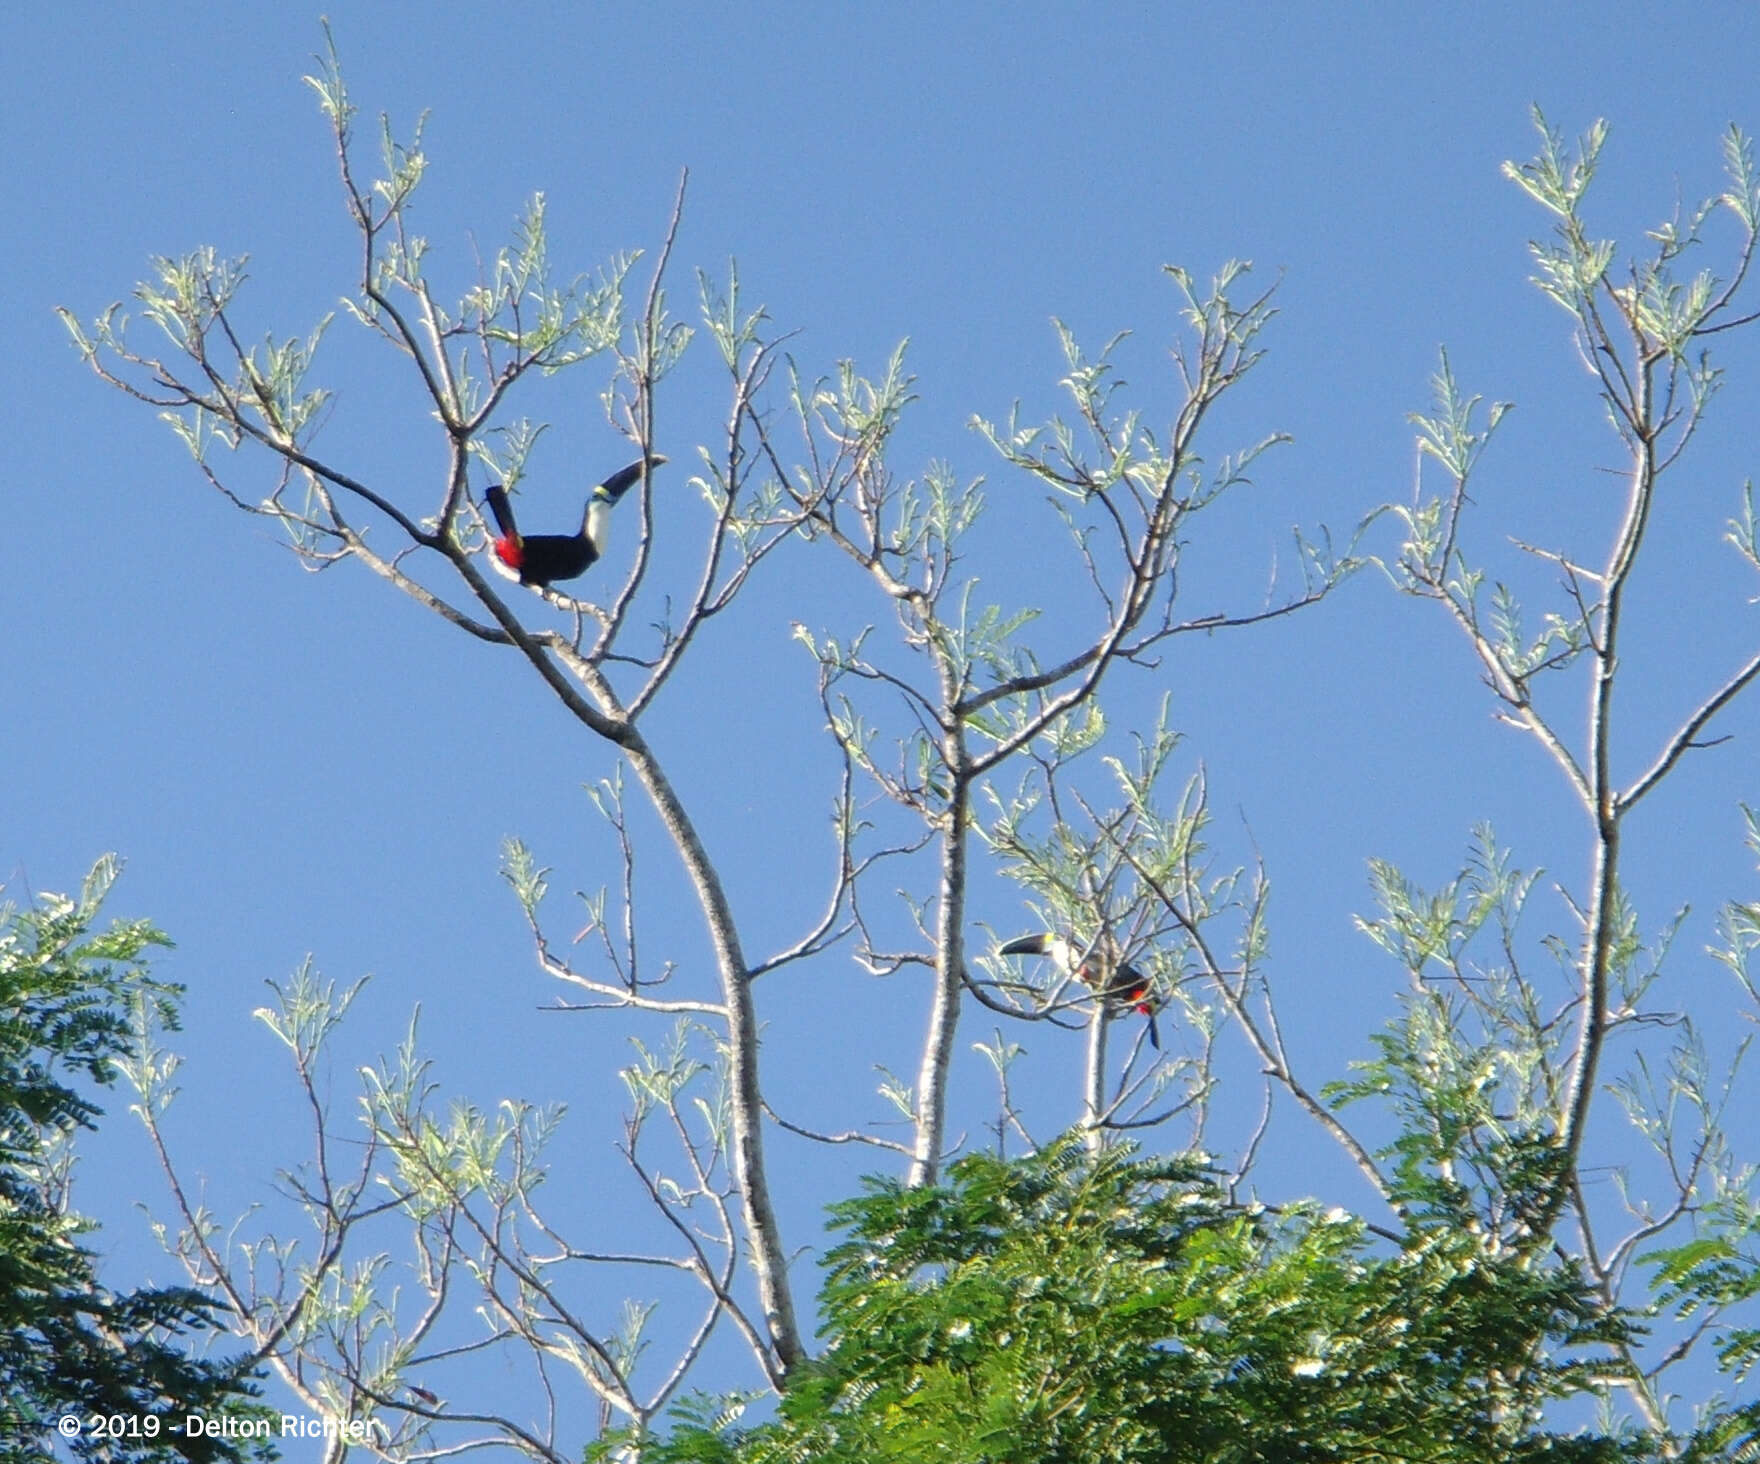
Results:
<point x="620" y="482"/>
<point x="496" y="497"/>
<point x="1130" y="985"/>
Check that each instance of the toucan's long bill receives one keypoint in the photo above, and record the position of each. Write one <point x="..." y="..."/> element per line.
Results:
<point x="623" y="479"/>
<point x="1026" y="945"/>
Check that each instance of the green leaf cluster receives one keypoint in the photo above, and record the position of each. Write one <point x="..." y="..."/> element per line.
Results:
<point x="1073" y="1306"/>
<point x="67" y="1343"/>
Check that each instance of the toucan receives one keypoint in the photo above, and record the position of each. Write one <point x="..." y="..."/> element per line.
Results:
<point x="540" y="559"/>
<point x="1125" y="986"/>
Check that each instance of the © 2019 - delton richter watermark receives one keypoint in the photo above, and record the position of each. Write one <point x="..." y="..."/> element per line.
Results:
<point x="136" y="1427"/>
<point x="286" y="1426"/>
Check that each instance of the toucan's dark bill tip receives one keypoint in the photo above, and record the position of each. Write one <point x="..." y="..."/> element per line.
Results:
<point x="1026" y="945"/>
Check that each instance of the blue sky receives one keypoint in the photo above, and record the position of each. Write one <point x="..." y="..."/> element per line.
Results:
<point x="294" y="763"/>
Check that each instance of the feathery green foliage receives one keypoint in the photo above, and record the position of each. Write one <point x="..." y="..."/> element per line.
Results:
<point x="69" y="1345"/>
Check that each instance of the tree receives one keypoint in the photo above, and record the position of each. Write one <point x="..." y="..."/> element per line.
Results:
<point x="1502" y="1074"/>
<point x="960" y="726"/>
<point x="1078" y="1306"/>
<point x="69" y="998"/>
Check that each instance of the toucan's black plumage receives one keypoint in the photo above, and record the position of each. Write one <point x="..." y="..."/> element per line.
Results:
<point x="1123" y="986"/>
<point x="541" y="559"/>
